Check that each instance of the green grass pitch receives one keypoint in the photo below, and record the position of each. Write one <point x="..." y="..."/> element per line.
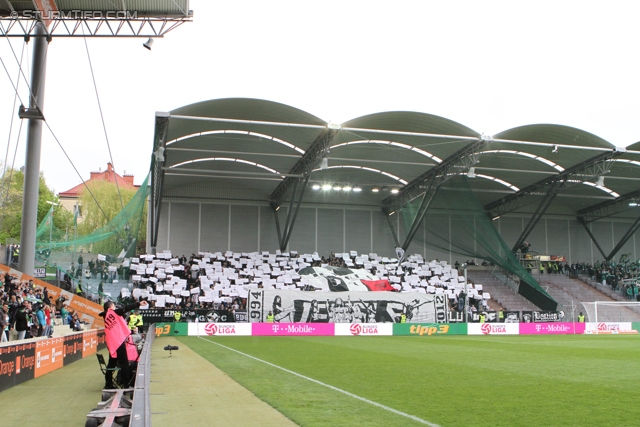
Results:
<point x="555" y="380"/>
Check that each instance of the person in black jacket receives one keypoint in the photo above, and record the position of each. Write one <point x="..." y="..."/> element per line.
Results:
<point x="21" y="319"/>
<point x="121" y="357"/>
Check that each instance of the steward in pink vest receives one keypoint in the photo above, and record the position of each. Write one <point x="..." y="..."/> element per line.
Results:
<point x="119" y="343"/>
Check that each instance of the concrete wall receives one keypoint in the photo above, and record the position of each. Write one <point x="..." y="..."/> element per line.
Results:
<point x="189" y="227"/>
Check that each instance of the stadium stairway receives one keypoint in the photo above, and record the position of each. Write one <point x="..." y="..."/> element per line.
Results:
<point x="573" y="292"/>
<point x="501" y="293"/>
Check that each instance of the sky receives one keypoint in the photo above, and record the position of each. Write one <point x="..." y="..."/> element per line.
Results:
<point x="489" y="65"/>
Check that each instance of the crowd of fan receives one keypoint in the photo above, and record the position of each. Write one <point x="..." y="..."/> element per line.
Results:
<point x="26" y="311"/>
<point x="622" y="277"/>
<point x="221" y="281"/>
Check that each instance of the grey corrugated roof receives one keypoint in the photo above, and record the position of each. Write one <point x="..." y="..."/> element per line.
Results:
<point x="382" y="150"/>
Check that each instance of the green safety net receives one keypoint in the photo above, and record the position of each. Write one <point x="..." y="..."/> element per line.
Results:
<point x="115" y="240"/>
<point x="472" y="235"/>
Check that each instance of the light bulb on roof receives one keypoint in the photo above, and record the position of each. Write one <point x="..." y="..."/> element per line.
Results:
<point x="316" y="186"/>
<point x="326" y="187"/>
<point x="394" y="191"/>
<point x="357" y="189"/>
<point x="337" y="188"/>
<point x="633" y="204"/>
<point x="347" y="188"/>
<point x="374" y="190"/>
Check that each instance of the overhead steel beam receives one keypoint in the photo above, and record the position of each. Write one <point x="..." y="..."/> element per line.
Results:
<point x="608" y="208"/>
<point x="84" y="24"/>
<point x="223" y="172"/>
<point x="458" y="162"/>
<point x="157" y="175"/>
<point x="584" y="171"/>
<point x="303" y="167"/>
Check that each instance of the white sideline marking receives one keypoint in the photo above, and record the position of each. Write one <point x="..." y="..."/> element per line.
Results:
<point x="371" y="402"/>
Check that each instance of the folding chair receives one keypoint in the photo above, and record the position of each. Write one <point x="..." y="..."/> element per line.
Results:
<point x="105" y="369"/>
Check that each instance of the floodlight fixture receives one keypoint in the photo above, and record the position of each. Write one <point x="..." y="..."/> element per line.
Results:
<point x="394" y="191"/>
<point x="326" y="187"/>
<point x="346" y="188"/>
<point x="633" y="203"/>
<point x="337" y="187"/>
<point x="316" y="186"/>
<point x="471" y="173"/>
<point x="375" y="189"/>
<point x="357" y="189"/>
<point x="148" y="43"/>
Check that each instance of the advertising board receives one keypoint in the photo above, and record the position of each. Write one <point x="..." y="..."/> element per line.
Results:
<point x="430" y="329"/>
<point x="610" y="328"/>
<point x="220" y="329"/>
<point x="552" y="328"/>
<point x="363" y="329"/>
<point x="493" y="328"/>
<point x="292" y="329"/>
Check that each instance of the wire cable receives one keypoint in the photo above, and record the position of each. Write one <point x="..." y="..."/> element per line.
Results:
<point x="52" y="133"/>
<point x="104" y="126"/>
<point x="15" y="100"/>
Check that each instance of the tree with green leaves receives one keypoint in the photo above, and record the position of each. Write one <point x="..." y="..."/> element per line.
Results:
<point x="102" y="212"/>
<point x="11" y="191"/>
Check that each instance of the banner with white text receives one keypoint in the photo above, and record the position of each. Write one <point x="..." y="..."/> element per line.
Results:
<point x="289" y="306"/>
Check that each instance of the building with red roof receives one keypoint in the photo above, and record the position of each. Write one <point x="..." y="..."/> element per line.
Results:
<point x="70" y="198"/>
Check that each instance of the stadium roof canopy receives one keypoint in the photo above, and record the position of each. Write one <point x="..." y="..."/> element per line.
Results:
<point x="262" y="151"/>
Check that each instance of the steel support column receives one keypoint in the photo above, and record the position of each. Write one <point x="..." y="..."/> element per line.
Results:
<point x="393" y="230"/>
<point x="292" y="213"/>
<point x="420" y="214"/>
<point x="540" y="210"/>
<point x="157" y="176"/>
<point x="624" y="239"/>
<point x="593" y="238"/>
<point x="312" y="156"/>
<point x="32" y="161"/>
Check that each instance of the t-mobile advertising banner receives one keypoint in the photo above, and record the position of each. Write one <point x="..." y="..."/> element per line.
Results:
<point x="220" y="329"/>
<point x="292" y="329"/>
<point x="551" y="328"/>
<point x="364" y="329"/>
<point x="345" y="307"/>
<point x="493" y="328"/>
